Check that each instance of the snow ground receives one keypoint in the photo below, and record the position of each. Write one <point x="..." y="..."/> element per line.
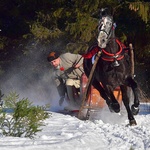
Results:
<point x="104" y="131"/>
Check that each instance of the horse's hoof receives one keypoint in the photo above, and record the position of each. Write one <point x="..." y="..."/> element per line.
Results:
<point x="135" y="110"/>
<point x="116" y="107"/>
<point x="132" y="123"/>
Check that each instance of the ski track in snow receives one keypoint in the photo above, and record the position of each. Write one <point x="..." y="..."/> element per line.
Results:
<point x="108" y="131"/>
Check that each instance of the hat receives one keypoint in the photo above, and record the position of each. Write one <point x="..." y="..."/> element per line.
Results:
<point x="52" y="56"/>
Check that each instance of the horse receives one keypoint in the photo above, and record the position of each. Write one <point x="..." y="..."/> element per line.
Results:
<point x="113" y="68"/>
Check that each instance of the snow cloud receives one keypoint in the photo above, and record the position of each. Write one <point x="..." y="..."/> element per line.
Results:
<point x="30" y="76"/>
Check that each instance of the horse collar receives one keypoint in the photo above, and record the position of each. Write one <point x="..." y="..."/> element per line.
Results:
<point x="106" y="56"/>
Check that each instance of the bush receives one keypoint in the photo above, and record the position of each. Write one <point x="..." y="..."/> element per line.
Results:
<point x="24" y="120"/>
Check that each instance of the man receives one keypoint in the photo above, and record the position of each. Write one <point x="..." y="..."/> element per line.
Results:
<point x="68" y="69"/>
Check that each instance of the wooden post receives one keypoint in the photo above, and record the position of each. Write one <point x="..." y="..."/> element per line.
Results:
<point x="86" y="93"/>
<point x="132" y="59"/>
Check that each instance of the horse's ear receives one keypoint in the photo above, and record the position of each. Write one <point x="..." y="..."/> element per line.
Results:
<point x="103" y="12"/>
<point x="106" y="11"/>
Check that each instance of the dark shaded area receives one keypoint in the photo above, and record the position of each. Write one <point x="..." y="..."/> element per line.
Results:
<point x="142" y="73"/>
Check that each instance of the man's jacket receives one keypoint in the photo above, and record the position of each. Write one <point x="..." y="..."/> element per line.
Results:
<point x="67" y="70"/>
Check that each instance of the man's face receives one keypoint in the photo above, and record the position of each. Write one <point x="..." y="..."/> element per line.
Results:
<point x="55" y="63"/>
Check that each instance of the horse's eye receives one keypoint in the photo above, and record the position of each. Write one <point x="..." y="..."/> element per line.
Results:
<point x="108" y="23"/>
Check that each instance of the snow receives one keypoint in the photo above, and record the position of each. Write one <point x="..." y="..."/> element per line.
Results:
<point x="103" y="131"/>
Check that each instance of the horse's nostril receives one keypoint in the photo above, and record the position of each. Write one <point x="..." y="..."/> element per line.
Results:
<point x="103" y="40"/>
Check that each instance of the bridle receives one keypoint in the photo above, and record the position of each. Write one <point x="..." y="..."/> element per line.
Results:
<point x="107" y="56"/>
<point x="101" y="22"/>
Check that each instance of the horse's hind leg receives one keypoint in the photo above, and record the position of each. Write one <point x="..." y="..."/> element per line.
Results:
<point x="135" y="106"/>
<point x="125" y="100"/>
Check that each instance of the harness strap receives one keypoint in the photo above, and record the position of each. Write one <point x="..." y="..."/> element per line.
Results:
<point x="92" y="52"/>
<point x="118" y="56"/>
<point x="106" y="56"/>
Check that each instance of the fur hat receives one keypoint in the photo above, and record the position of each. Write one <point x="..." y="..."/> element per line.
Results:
<point x="52" y="56"/>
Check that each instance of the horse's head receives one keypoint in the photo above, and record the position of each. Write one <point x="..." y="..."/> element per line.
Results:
<point x="104" y="28"/>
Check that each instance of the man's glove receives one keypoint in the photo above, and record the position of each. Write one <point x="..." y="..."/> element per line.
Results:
<point x="62" y="98"/>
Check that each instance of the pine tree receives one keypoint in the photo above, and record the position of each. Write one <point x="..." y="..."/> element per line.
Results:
<point x="24" y="120"/>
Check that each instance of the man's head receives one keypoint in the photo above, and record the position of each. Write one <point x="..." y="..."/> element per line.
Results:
<point x="54" y="59"/>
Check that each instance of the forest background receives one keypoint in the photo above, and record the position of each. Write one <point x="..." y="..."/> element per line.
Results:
<point x="30" y="29"/>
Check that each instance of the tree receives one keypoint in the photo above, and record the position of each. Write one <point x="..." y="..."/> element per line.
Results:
<point x="67" y="25"/>
<point x="24" y="120"/>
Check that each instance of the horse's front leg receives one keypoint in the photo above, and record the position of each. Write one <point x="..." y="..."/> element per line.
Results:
<point x="125" y="100"/>
<point x="114" y="103"/>
<point x="109" y="98"/>
<point x="101" y="90"/>
<point x="134" y="86"/>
